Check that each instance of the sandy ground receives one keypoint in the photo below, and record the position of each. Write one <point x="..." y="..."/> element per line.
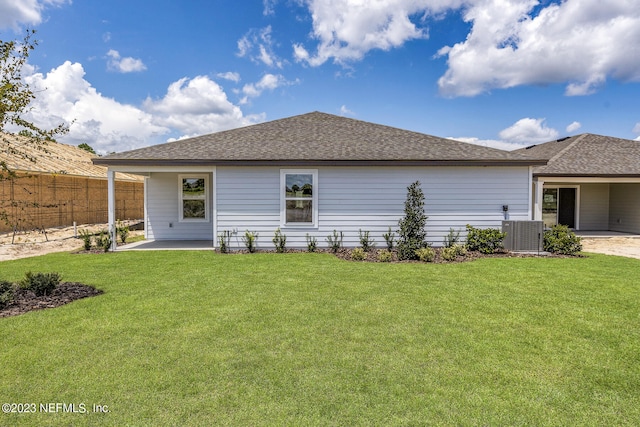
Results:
<point x="621" y="246"/>
<point x="63" y="240"/>
<point x="34" y="243"/>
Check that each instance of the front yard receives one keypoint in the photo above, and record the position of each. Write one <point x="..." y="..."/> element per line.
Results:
<point x="198" y="338"/>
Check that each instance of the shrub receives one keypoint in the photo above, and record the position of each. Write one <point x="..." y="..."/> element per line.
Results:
<point x="106" y="242"/>
<point x="366" y="243"/>
<point x="385" y="256"/>
<point x="85" y="235"/>
<point x="358" y="254"/>
<point x="224" y="238"/>
<point x="426" y="254"/>
<point x="485" y="240"/>
<point x="123" y="232"/>
<point x="389" y="237"/>
<point x="335" y="241"/>
<point x="452" y="238"/>
<point x="312" y="243"/>
<point x="412" y="235"/>
<point x="40" y="283"/>
<point x="6" y="293"/>
<point x="561" y="240"/>
<point x="250" y="240"/>
<point x="103" y="240"/>
<point x="452" y="252"/>
<point x="279" y="240"/>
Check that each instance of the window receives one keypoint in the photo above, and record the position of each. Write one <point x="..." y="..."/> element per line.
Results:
<point x="194" y="198"/>
<point x="299" y="199"/>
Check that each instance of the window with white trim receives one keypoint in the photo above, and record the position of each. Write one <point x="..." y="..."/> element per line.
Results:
<point x="194" y="198"/>
<point x="299" y="197"/>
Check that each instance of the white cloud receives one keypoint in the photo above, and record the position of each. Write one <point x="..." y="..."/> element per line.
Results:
<point x="258" y="46"/>
<point x="269" y="7"/>
<point x="636" y="128"/>
<point x="522" y="133"/>
<point x="574" y="127"/>
<point x="63" y="95"/>
<point x="124" y="65"/>
<point x="528" y="131"/>
<point x="197" y="106"/>
<point x="13" y="13"/>
<point x="346" y="112"/>
<point x="230" y="75"/>
<point x="578" y="42"/>
<point x="267" y="82"/>
<point x="190" y="107"/>
<point x="347" y="29"/>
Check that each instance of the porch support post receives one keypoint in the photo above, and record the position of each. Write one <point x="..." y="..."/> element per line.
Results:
<point x="537" y="204"/>
<point x="111" y="200"/>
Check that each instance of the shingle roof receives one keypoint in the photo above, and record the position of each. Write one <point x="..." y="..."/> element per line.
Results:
<point x="314" y="138"/>
<point x="588" y="155"/>
<point x="51" y="157"/>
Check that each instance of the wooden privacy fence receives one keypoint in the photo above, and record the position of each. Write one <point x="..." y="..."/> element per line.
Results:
<point x="48" y="200"/>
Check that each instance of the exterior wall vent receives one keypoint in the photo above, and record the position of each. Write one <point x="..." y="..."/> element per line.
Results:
<point x="523" y="236"/>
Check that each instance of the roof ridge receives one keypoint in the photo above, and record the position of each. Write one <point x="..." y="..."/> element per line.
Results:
<point x="568" y="147"/>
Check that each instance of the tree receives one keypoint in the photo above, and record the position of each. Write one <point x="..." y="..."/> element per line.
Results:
<point x="412" y="234"/>
<point x="86" y="147"/>
<point x="15" y="98"/>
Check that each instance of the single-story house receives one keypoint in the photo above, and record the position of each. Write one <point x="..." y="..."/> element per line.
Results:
<point x="591" y="183"/>
<point x="315" y="173"/>
<point x="57" y="184"/>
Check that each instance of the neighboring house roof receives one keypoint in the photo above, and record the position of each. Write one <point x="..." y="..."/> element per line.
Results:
<point x="588" y="155"/>
<point x="315" y="138"/>
<point x="51" y="157"/>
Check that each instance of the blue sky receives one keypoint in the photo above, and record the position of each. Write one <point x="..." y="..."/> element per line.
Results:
<point x="502" y="73"/>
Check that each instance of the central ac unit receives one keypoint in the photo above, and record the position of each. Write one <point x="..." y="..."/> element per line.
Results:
<point x="523" y="236"/>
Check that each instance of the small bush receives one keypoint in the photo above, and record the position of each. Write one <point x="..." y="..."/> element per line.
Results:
<point x="312" y="243"/>
<point x="85" y="235"/>
<point x="485" y="240"/>
<point x="106" y="242"/>
<point x="358" y="254"/>
<point x="561" y="240"/>
<point x="123" y="232"/>
<point x="426" y="254"/>
<point x="366" y="243"/>
<point x="6" y="293"/>
<point x="412" y="234"/>
<point x="452" y="252"/>
<point x="224" y="238"/>
<point x="40" y="283"/>
<point x="452" y="238"/>
<point x="389" y="237"/>
<point x="250" y="240"/>
<point x="335" y="241"/>
<point x="385" y="256"/>
<point x="280" y="241"/>
<point x="103" y="240"/>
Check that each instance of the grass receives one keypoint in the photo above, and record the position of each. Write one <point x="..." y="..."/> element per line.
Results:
<point x="197" y="338"/>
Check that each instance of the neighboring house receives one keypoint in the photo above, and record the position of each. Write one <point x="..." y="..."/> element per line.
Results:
<point x="57" y="185"/>
<point x="315" y="173"/>
<point x="591" y="182"/>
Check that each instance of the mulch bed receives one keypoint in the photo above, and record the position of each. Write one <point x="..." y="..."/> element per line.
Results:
<point x="25" y="300"/>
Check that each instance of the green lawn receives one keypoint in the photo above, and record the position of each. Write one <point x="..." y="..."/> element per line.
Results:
<point x="197" y="338"/>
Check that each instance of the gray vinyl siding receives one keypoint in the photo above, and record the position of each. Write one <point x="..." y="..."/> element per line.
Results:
<point x="163" y="220"/>
<point x="624" y="202"/>
<point x="371" y="199"/>
<point x="594" y="206"/>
